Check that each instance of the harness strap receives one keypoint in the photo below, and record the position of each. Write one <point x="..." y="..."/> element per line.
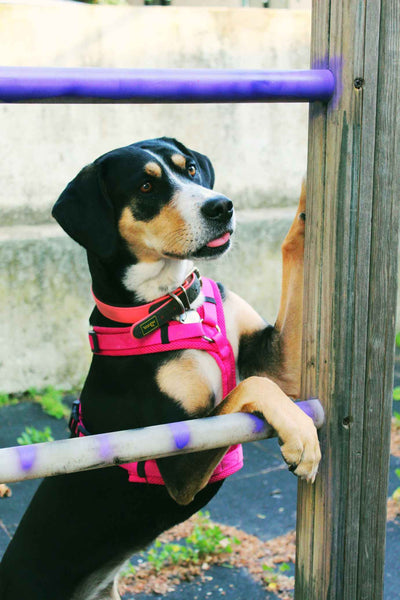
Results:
<point x="207" y="334"/>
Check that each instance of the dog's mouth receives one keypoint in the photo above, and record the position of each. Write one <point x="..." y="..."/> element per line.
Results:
<point x="220" y="241"/>
<point x="214" y="247"/>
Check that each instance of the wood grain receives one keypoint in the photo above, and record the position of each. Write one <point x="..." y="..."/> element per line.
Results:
<point x="350" y="295"/>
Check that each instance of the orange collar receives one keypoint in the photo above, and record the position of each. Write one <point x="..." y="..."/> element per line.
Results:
<point x="166" y="307"/>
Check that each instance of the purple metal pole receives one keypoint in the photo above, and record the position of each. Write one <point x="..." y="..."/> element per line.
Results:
<point x="48" y="84"/>
<point x="118" y="447"/>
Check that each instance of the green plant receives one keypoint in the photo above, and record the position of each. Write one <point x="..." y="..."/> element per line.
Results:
<point x="398" y="339"/>
<point x="206" y="539"/>
<point x="127" y="570"/>
<point x="271" y="580"/>
<point x="7" y="400"/>
<point x="35" y="436"/>
<point x="396" y="493"/>
<point x="396" y="393"/>
<point x="50" y="400"/>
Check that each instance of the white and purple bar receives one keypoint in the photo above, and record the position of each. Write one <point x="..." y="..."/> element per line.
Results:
<point x="96" y="85"/>
<point x="110" y="449"/>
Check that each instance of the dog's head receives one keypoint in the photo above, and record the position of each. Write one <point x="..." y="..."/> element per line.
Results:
<point x="154" y="198"/>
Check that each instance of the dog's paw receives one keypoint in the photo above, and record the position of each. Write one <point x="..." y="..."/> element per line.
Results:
<point x="5" y="491"/>
<point x="300" y="446"/>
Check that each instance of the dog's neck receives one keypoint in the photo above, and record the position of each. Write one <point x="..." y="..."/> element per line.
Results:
<point x="150" y="280"/>
<point x="122" y="283"/>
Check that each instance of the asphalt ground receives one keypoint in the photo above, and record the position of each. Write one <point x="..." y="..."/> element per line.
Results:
<point x="264" y="485"/>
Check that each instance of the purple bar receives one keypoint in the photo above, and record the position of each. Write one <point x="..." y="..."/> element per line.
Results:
<point x="181" y="433"/>
<point x="27" y="456"/>
<point x="49" y="84"/>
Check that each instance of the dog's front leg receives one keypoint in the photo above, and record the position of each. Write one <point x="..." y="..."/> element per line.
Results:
<point x="275" y="351"/>
<point x="187" y="474"/>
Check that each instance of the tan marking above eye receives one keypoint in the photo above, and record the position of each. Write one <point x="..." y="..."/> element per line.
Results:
<point x="153" y="169"/>
<point x="179" y="160"/>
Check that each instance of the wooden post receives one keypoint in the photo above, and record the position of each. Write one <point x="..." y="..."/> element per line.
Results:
<point x="350" y="297"/>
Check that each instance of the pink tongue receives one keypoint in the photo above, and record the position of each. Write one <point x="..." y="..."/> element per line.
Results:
<point x="219" y="241"/>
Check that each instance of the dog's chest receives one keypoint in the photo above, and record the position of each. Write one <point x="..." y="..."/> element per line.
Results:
<point x="194" y="379"/>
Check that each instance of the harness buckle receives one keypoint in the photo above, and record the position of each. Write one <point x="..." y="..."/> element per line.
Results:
<point x="94" y="342"/>
<point x="74" y="417"/>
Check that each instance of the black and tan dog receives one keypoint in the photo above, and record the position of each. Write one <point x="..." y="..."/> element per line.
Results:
<point x="143" y="212"/>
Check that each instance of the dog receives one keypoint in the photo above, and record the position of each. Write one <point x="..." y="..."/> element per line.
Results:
<point x="143" y="213"/>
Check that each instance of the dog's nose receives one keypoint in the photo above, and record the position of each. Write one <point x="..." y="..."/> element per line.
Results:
<point x="219" y="209"/>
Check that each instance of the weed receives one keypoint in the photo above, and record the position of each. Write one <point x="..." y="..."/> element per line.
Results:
<point x="127" y="570"/>
<point x="398" y="339"/>
<point x="7" y="400"/>
<point x="272" y="580"/>
<point x="396" y="419"/>
<point x="51" y="401"/>
<point x="206" y="539"/>
<point x="35" y="436"/>
<point x="396" y="493"/>
<point x="396" y="393"/>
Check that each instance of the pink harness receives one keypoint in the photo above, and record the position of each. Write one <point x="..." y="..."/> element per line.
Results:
<point x="208" y="333"/>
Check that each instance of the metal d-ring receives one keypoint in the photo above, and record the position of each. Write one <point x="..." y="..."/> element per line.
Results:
<point x="179" y="301"/>
<point x="186" y="297"/>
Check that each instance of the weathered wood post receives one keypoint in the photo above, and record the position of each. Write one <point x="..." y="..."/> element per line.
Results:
<point x="350" y="297"/>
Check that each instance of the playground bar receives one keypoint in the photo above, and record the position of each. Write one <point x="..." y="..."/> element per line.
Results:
<point x="58" y="85"/>
<point x="110" y="449"/>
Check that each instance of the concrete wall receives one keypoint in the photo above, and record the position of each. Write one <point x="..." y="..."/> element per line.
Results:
<point x="259" y="153"/>
<point x="259" y="150"/>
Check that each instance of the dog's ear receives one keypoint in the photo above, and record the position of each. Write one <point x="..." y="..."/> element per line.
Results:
<point x="85" y="211"/>
<point x="207" y="170"/>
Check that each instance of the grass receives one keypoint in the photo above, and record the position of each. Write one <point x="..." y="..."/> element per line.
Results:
<point x="31" y="435"/>
<point x="7" y="400"/>
<point x="272" y="578"/>
<point x="50" y="400"/>
<point x="206" y="539"/>
<point x="396" y="493"/>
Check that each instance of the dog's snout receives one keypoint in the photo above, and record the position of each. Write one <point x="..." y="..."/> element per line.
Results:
<point x="219" y="209"/>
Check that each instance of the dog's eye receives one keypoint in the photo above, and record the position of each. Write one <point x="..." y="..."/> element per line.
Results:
<point x="192" y="170"/>
<point x="146" y="187"/>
